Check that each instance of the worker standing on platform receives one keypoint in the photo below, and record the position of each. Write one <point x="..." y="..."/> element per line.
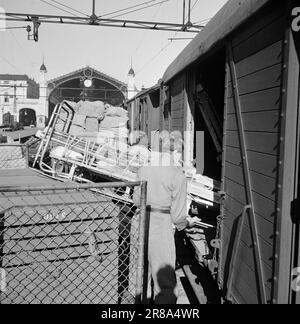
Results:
<point x="166" y="201"/>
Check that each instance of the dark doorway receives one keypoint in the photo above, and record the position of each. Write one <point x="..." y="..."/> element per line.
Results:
<point x="27" y="117"/>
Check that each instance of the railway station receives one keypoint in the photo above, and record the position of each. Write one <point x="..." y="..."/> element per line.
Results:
<point x="182" y="192"/>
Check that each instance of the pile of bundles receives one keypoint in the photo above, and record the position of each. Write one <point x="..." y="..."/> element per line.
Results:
<point x="104" y="134"/>
<point x="99" y="122"/>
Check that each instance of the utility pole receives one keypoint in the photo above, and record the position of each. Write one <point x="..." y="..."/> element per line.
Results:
<point x="187" y="24"/>
<point x="183" y="20"/>
<point x="15" y="102"/>
<point x="93" y="18"/>
<point x="189" y="15"/>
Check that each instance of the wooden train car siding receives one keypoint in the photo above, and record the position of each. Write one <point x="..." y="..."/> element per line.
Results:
<point x="260" y="164"/>
<point x="258" y="56"/>
<point x="144" y="111"/>
<point x="165" y="108"/>
<point x="178" y="103"/>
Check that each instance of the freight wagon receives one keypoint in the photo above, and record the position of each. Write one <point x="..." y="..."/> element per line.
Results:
<point x="144" y="111"/>
<point x="238" y="81"/>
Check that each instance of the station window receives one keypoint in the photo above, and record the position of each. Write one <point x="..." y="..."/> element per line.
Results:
<point x="6" y="97"/>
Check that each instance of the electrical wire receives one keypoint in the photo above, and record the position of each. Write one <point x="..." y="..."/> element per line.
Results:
<point x="54" y="6"/>
<point x="144" y="34"/>
<point x="165" y="47"/>
<point x="61" y="4"/>
<point x="13" y="66"/>
<point x="150" y="6"/>
<point x="128" y="8"/>
<point x="204" y="21"/>
<point x="194" y="5"/>
<point x="154" y="57"/>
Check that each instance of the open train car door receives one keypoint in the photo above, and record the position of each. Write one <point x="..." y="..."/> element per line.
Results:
<point x="259" y="169"/>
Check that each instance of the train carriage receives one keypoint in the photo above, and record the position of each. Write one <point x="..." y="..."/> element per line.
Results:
<point x="248" y="55"/>
<point x="238" y="81"/>
<point x="144" y="111"/>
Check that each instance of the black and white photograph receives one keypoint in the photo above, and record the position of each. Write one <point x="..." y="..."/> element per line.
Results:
<point x="149" y="155"/>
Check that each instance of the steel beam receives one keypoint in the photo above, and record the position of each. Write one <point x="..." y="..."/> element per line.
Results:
<point x="98" y="21"/>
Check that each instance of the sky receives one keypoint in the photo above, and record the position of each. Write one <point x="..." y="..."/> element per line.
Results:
<point x="67" y="48"/>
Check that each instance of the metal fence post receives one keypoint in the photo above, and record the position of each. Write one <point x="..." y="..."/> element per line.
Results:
<point x="141" y="270"/>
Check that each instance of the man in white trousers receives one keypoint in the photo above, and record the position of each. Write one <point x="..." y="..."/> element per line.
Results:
<point x="167" y="205"/>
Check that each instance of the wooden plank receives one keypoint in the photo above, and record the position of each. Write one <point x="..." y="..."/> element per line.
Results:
<point x="67" y="197"/>
<point x="247" y="247"/>
<point x="259" y="162"/>
<point x="245" y="282"/>
<point x="244" y="273"/>
<point x="177" y="99"/>
<point x="178" y="114"/>
<point x="241" y="288"/>
<point x="53" y="240"/>
<point x="272" y="13"/>
<point x="265" y="225"/>
<point x="265" y="58"/>
<point x="263" y="206"/>
<point x="177" y="85"/>
<point x="59" y="228"/>
<point x="266" y="121"/>
<point x="63" y="213"/>
<point x="261" y="80"/>
<point x="71" y="281"/>
<point x="266" y="243"/>
<point x="261" y="184"/>
<point x="261" y="39"/>
<point x="23" y="177"/>
<point x="64" y="253"/>
<point x="269" y="99"/>
<point x="237" y="297"/>
<point x="245" y="256"/>
<point x="258" y="142"/>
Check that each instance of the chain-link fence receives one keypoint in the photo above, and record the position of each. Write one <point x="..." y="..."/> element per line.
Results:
<point x="13" y="156"/>
<point x="72" y="244"/>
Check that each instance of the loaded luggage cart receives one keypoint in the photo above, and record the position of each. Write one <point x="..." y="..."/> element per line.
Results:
<point x="67" y="154"/>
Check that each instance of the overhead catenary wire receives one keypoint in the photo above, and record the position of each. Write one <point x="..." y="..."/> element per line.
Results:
<point x="144" y="33"/>
<point x="68" y="7"/>
<point x="8" y="62"/>
<point x="154" y="57"/>
<point x="164" y="47"/>
<point x="128" y="8"/>
<point x="194" y="5"/>
<point x="150" y="6"/>
<point x="54" y="6"/>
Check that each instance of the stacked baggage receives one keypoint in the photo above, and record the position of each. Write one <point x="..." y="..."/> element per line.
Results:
<point x="93" y="136"/>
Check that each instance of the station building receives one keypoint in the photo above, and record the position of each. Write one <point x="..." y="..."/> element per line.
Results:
<point x="29" y="102"/>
